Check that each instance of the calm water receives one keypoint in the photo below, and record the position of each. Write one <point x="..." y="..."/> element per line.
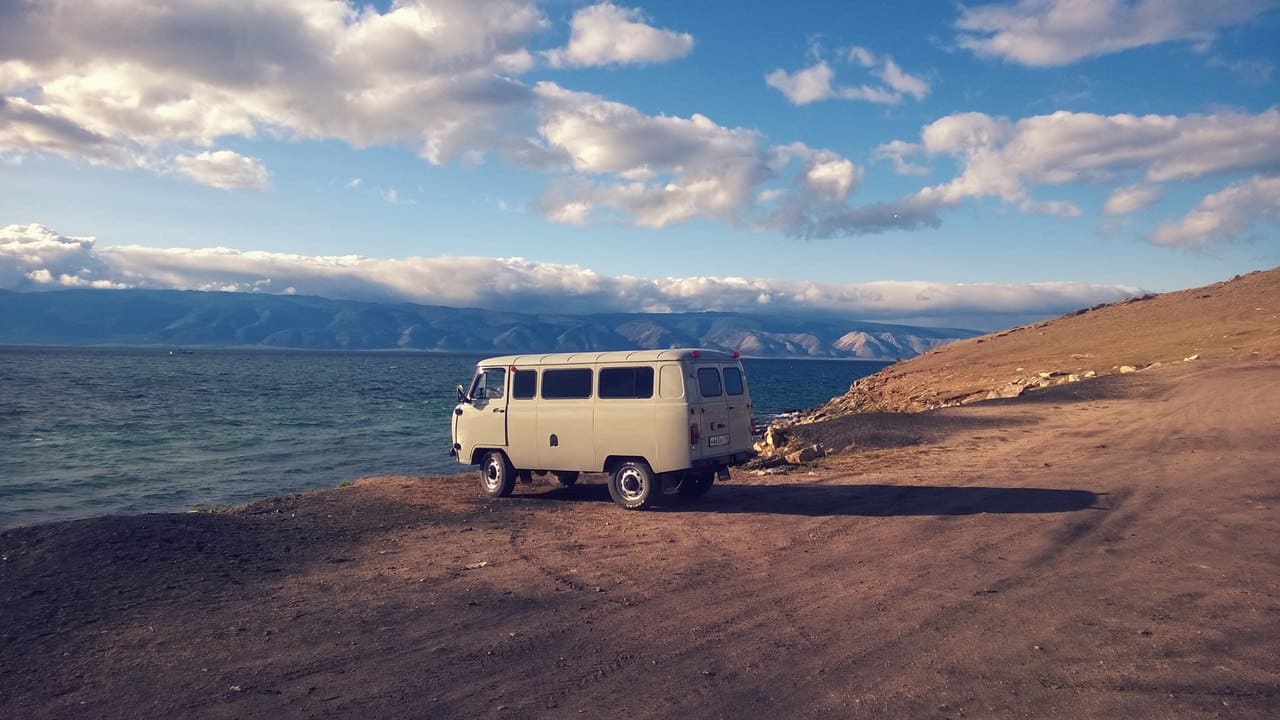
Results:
<point x="92" y="431"/>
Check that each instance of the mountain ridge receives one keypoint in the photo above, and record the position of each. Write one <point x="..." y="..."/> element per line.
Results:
<point x="196" y="318"/>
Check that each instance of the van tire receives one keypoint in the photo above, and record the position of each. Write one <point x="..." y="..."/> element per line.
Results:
<point x="696" y="485"/>
<point x="497" y="476"/>
<point x="633" y="485"/>
<point x="567" y="478"/>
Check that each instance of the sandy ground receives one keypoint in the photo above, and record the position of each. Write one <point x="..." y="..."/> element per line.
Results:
<point x="1105" y="549"/>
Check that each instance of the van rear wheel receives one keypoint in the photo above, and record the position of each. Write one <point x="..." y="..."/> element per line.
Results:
<point x="633" y="485"/>
<point x="497" y="477"/>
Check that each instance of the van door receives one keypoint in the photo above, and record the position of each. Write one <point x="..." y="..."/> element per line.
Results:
<point x="738" y="407"/>
<point x="712" y="412"/>
<point x="482" y="423"/>
<point x="566" y="420"/>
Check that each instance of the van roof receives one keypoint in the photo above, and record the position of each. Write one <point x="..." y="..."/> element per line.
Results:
<point x="622" y="356"/>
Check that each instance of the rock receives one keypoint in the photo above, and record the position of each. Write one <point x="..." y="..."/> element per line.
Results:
<point x="1191" y="357"/>
<point x="1128" y="369"/>
<point x="774" y="439"/>
<point x="1012" y="390"/>
<point x="806" y="454"/>
<point x="1090" y="374"/>
<point x="1073" y="378"/>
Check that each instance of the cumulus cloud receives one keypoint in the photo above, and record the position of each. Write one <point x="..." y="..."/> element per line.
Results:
<point x="606" y="34"/>
<point x="897" y="152"/>
<point x="1005" y="159"/>
<point x="223" y="169"/>
<point x="158" y="87"/>
<point x="818" y="81"/>
<point x="1130" y="199"/>
<point x="138" y="85"/>
<point x="1043" y="33"/>
<point x="662" y="170"/>
<point x="33" y="257"/>
<point x="1225" y="215"/>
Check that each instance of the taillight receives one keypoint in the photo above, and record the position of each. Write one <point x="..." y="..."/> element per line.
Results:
<point x="694" y="434"/>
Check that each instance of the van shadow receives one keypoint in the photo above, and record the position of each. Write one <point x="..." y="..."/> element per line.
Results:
<point x="854" y="500"/>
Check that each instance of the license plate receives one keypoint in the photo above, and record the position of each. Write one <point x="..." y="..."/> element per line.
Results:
<point x="718" y="440"/>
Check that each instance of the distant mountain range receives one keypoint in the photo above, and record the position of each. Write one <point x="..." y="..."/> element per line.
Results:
<point x="191" y="319"/>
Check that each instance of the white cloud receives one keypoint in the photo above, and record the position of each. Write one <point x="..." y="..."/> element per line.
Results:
<point x="662" y="170"/>
<point x="818" y="81"/>
<point x="1043" y="33"/>
<point x="1225" y="215"/>
<point x="804" y="86"/>
<point x="223" y="169"/>
<point x="606" y="34"/>
<point x="34" y="257"/>
<point x="897" y="152"/>
<point x="137" y="85"/>
<point x="902" y="81"/>
<point x="1003" y="159"/>
<point x="34" y="254"/>
<point x="1131" y="199"/>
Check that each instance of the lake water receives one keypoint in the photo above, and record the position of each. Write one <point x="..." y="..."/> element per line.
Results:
<point x="93" y="431"/>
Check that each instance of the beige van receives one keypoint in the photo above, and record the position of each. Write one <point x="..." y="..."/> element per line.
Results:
<point x="658" y="421"/>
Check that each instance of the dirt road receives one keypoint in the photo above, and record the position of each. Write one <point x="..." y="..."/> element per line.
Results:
<point x="1107" y="549"/>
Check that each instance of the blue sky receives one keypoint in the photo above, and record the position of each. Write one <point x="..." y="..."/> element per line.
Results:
<point x="935" y="162"/>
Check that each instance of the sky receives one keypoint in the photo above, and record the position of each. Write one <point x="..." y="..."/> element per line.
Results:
<point x="971" y="164"/>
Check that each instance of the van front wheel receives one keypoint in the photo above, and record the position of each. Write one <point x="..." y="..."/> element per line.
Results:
<point x="497" y="477"/>
<point x="633" y="485"/>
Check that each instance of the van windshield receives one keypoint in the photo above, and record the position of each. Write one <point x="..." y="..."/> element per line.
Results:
<point x="488" y="384"/>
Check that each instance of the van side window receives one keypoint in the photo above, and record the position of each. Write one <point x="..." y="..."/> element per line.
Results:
<point x="672" y="382"/>
<point x="626" y="382"/>
<point x="524" y="384"/>
<point x="565" y="384"/>
<point x="709" y="382"/>
<point x="732" y="381"/>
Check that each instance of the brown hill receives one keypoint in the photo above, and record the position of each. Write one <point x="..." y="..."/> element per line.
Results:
<point x="1235" y="320"/>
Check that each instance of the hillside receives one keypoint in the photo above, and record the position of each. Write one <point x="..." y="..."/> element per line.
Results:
<point x="1238" y="320"/>
<point x="166" y="317"/>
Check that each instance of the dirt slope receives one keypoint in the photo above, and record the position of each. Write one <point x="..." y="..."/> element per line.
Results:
<point x="1234" y="320"/>
<point x="1104" y="548"/>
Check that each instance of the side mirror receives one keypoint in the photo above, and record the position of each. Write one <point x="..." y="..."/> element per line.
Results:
<point x="462" y="395"/>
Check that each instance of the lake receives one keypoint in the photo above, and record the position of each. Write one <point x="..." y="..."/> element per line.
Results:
<point x="93" y="431"/>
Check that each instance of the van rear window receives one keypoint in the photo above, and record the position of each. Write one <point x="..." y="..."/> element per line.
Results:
<point x="626" y="382"/>
<point x="732" y="381"/>
<point x="566" y="384"/>
<point x="709" y="382"/>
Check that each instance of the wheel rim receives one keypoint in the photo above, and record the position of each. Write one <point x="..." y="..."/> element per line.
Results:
<point x="630" y="484"/>
<point x="492" y="473"/>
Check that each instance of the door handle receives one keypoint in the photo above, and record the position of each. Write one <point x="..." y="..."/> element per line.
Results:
<point x="499" y="410"/>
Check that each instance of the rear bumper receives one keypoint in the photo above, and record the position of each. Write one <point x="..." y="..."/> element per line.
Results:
<point x="723" y="460"/>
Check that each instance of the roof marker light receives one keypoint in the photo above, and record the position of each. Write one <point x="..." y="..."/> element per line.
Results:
<point x="697" y="354"/>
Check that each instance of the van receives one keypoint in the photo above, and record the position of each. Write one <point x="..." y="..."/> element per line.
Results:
<point x="657" y="421"/>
